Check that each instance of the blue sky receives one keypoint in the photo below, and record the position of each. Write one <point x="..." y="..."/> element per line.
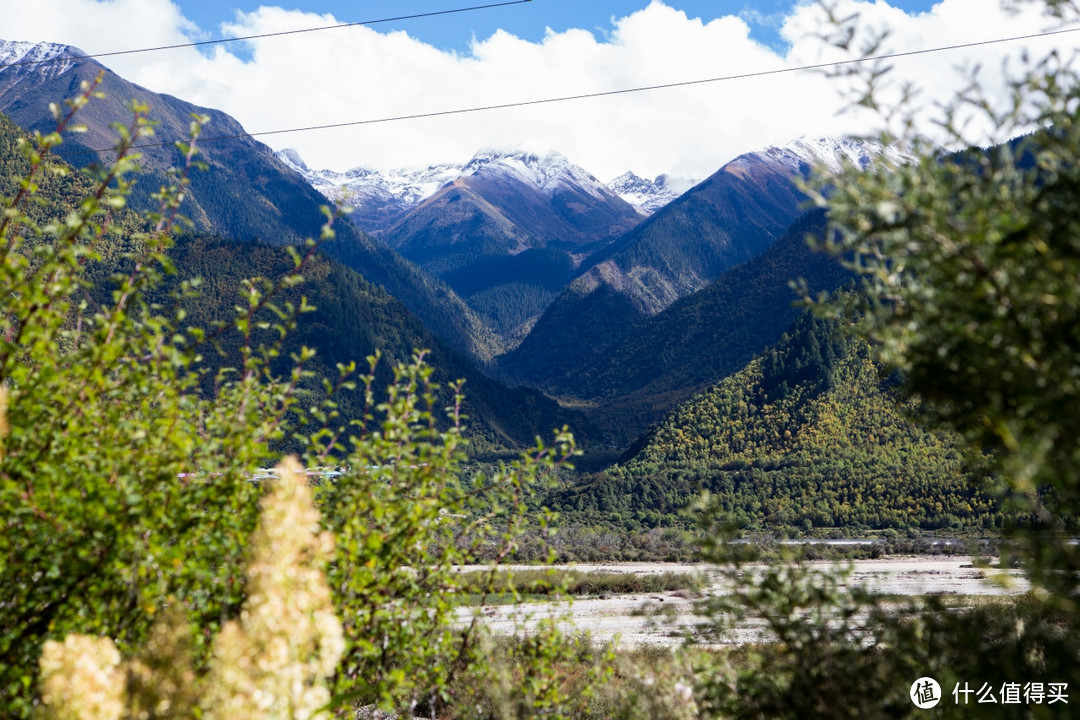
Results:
<point x="549" y="49"/>
<point x="528" y="20"/>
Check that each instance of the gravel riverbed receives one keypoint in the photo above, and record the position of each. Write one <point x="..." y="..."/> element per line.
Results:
<point x="665" y="618"/>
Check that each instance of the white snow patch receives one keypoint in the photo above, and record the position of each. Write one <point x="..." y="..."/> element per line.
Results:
<point x="832" y="153"/>
<point x="649" y="196"/>
<point x="548" y="173"/>
<point x="408" y="187"/>
<point x="48" y="60"/>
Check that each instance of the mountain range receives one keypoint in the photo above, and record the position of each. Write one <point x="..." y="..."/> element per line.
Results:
<point x="508" y="233"/>
<point x="730" y="218"/>
<point x="499" y="231"/>
<point x="382" y="197"/>
<point x="245" y="206"/>
<point x="379" y="198"/>
<point x="246" y="193"/>
<point x="505" y="230"/>
<point x="619" y="300"/>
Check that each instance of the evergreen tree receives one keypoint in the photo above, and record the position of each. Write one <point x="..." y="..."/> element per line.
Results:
<point x="968" y="265"/>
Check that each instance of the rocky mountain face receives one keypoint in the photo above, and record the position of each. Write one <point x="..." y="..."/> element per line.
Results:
<point x="727" y="219"/>
<point x="28" y="64"/>
<point x="648" y="196"/>
<point x="380" y="198"/>
<point x="553" y="200"/>
<point x="509" y="231"/>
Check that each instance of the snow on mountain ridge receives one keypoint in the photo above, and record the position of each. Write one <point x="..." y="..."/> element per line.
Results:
<point x="416" y="186"/>
<point x="649" y="196"/>
<point x="551" y="171"/>
<point x="547" y="173"/>
<point x="830" y="152"/>
<point x="47" y="59"/>
<point x="407" y="186"/>
<point x="292" y="158"/>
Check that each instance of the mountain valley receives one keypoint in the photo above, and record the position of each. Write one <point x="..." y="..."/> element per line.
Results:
<point x="612" y="307"/>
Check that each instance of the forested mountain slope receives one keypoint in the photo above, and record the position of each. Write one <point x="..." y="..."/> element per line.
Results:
<point x="808" y="435"/>
<point x="353" y="317"/>
<point x="715" y="331"/>
<point x="728" y="219"/>
<point x="246" y="194"/>
<point x="629" y="376"/>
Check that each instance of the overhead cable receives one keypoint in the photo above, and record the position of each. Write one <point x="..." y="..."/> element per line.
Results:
<point x="220" y="41"/>
<point x="608" y="93"/>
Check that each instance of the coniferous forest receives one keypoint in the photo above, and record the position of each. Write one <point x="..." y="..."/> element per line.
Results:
<point x="811" y="434"/>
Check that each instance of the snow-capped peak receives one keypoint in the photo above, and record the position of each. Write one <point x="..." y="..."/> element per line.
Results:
<point x="292" y="158"/>
<point x="408" y="185"/>
<point x="379" y="196"/>
<point x="48" y="59"/>
<point x="548" y="173"/>
<point x="832" y="153"/>
<point x="649" y="195"/>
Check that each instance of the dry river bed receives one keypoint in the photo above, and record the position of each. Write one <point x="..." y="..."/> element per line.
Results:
<point x="634" y="620"/>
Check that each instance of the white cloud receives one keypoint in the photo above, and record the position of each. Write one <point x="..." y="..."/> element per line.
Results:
<point x="358" y="73"/>
<point x="937" y="76"/>
<point x="96" y="25"/>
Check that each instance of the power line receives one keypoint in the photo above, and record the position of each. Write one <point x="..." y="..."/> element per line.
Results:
<point x="437" y="13"/>
<point x="609" y="93"/>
